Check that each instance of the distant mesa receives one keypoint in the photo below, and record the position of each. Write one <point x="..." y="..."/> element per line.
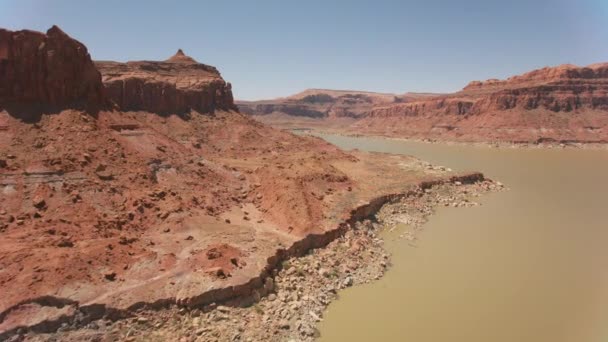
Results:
<point x="320" y="103"/>
<point x="564" y="103"/>
<point x="546" y="75"/>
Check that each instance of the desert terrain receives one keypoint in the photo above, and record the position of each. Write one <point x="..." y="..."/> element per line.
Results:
<point x="132" y="190"/>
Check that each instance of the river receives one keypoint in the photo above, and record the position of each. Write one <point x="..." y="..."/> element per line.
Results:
<point x="529" y="264"/>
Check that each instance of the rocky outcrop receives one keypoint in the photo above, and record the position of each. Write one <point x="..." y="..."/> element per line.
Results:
<point x="177" y="85"/>
<point x="545" y="75"/>
<point x="55" y="70"/>
<point x="564" y="97"/>
<point x="46" y="69"/>
<point x="565" y="103"/>
<point x="564" y="88"/>
<point x="320" y="103"/>
<point x="441" y="106"/>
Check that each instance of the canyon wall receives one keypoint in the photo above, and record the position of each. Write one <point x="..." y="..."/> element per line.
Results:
<point x="177" y="85"/>
<point x="54" y="70"/>
<point x="46" y="69"/>
<point x="564" y="103"/>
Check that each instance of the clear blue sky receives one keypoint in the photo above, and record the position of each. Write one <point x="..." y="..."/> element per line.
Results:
<point x="275" y="48"/>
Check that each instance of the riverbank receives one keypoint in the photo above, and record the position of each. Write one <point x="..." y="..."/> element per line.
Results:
<point x="342" y="127"/>
<point x="300" y="288"/>
<point x="345" y="127"/>
<point x="493" y="144"/>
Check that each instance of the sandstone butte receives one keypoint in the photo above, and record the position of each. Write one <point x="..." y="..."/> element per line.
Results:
<point x="142" y="186"/>
<point x="558" y="104"/>
<point x="177" y="85"/>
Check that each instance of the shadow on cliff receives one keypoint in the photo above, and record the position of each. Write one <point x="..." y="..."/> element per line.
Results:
<point x="32" y="113"/>
<point x="185" y="114"/>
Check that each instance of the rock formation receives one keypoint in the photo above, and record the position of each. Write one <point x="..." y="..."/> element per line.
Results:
<point x="46" y="69"/>
<point x="565" y="88"/>
<point x="564" y="103"/>
<point x="319" y="104"/>
<point x="177" y="85"/>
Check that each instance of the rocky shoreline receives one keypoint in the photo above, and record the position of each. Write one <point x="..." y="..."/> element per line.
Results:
<point x="295" y="295"/>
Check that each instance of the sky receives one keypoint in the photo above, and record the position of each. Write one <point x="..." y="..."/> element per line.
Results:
<point x="269" y="49"/>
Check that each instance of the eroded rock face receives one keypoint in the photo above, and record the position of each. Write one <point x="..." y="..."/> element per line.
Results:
<point x="566" y="103"/>
<point x="46" y="69"/>
<point x="441" y="106"/>
<point x="177" y="85"/>
<point x="564" y="88"/>
<point x="559" y="73"/>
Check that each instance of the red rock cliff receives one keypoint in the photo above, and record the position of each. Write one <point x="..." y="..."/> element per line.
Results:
<point x="47" y="69"/>
<point x="177" y="85"/>
<point x="561" y="103"/>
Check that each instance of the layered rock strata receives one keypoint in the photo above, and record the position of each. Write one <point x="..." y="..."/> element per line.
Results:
<point x="46" y="69"/>
<point x="177" y="85"/>
<point x="564" y="103"/>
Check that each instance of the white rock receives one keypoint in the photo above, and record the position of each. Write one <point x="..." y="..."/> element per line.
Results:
<point x="314" y="316"/>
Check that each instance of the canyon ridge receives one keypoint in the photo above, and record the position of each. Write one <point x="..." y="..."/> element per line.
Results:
<point x="554" y="104"/>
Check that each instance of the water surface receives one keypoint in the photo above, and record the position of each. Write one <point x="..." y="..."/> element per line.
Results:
<point x="530" y="264"/>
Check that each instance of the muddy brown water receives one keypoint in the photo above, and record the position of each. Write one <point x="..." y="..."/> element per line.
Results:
<point x="529" y="264"/>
